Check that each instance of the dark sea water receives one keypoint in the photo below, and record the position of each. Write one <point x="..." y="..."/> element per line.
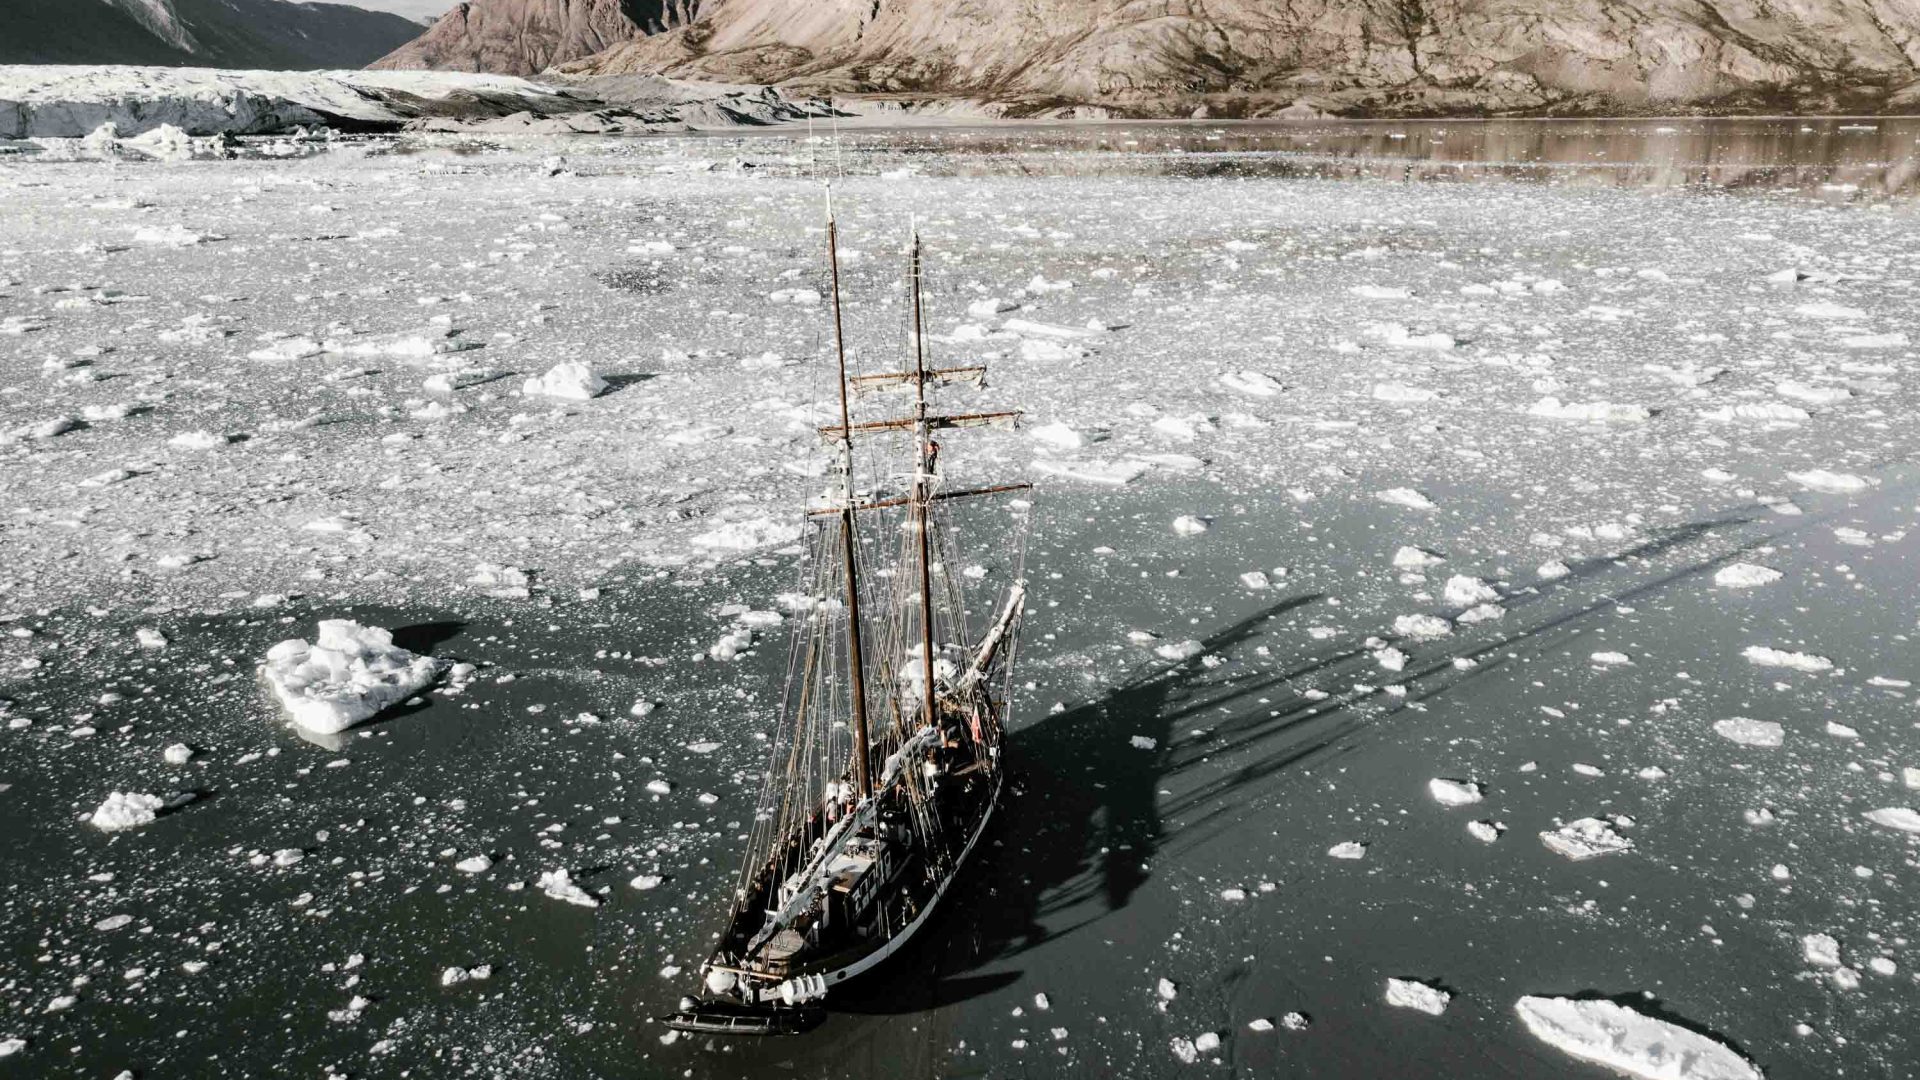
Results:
<point x="1167" y="820"/>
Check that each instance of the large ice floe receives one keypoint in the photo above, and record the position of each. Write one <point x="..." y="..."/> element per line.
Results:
<point x="1632" y="1042"/>
<point x="348" y="674"/>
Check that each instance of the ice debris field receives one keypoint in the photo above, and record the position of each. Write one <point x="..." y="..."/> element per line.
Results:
<point x="1473" y="624"/>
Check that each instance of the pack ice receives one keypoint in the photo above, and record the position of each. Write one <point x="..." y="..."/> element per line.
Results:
<point x="1632" y="1042"/>
<point x="349" y="674"/>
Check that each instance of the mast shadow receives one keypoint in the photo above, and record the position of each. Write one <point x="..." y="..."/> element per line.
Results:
<point x="1176" y="755"/>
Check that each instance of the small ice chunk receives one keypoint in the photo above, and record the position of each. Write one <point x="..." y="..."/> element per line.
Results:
<point x="1184" y="1050"/>
<point x="1617" y="1037"/>
<point x="1260" y="1024"/>
<point x="1745" y="575"/>
<point x="1596" y="412"/>
<point x="559" y="885"/>
<point x="1770" y="657"/>
<point x="1903" y="818"/>
<point x="1251" y="383"/>
<point x="570" y="381"/>
<point x="501" y="582"/>
<point x="1348" y="849"/>
<point x="1820" y="950"/>
<point x="1255" y="579"/>
<point x="1832" y="483"/>
<point x="747" y="535"/>
<point x="1189" y="525"/>
<point x="198" y="440"/>
<point x="454" y="976"/>
<point x="112" y="923"/>
<point x="149" y="638"/>
<point x="643" y="882"/>
<point x="1422" y="627"/>
<point x="1465" y="591"/>
<point x="1485" y="831"/>
<point x="1166" y="989"/>
<point x="1401" y="394"/>
<point x="1585" y="838"/>
<point x="126" y="810"/>
<point x="1413" y="558"/>
<point x="1410" y="994"/>
<point x="1295" y="1021"/>
<point x="474" y="864"/>
<point x="1748" y="732"/>
<point x="1407" y="497"/>
<point x="1110" y="473"/>
<point x="1179" y="650"/>
<point x="1057" y="435"/>
<point x="1553" y="570"/>
<point x="1454" y="792"/>
<point x="1143" y="742"/>
<point x="1611" y="659"/>
<point x="177" y="754"/>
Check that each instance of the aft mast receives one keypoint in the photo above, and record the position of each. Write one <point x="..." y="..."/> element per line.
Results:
<point x="863" y="784"/>
<point x="923" y="476"/>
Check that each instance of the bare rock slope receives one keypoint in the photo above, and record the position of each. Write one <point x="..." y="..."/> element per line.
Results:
<point x="525" y="37"/>
<point x="266" y="34"/>
<point x="1261" y="57"/>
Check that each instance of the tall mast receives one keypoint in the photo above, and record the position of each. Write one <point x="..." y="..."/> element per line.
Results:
<point x="922" y="482"/>
<point x="857" y="663"/>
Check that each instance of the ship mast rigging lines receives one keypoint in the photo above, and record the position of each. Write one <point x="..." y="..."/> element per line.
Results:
<point x="886" y="766"/>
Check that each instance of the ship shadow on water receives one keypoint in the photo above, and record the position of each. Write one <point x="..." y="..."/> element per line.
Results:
<point x="1089" y="810"/>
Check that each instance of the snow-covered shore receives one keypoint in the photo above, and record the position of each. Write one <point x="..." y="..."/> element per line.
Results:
<point x="55" y="101"/>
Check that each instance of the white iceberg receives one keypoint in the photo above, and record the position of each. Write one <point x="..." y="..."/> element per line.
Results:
<point x="1585" y="838"/>
<point x="1631" y="1042"/>
<point x="124" y="810"/>
<point x="349" y="674"/>
<point x="1745" y="575"/>
<point x="1746" y="732"/>
<point x="571" y="381"/>
<point x="1409" y="994"/>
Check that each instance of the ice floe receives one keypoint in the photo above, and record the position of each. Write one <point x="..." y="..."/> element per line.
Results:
<point x="559" y="885"/>
<point x="571" y="381"/>
<point x="1418" y="996"/>
<point x="1632" y="1042"/>
<point x="124" y="810"/>
<point x="1585" y="838"/>
<point x="1745" y="575"/>
<point x="1766" y="656"/>
<point x="1454" y="792"/>
<point x="1749" y="732"/>
<point x="348" y="674"/>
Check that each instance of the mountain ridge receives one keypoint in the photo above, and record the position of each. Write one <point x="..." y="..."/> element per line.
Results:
<point x="262" y="34"/>
<point x="525" y="37"/>
<point x="1273" y="57"/>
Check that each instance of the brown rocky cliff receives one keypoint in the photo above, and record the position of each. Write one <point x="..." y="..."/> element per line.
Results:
<point x="525" y="37"/>
<point x="1255" y="57"/>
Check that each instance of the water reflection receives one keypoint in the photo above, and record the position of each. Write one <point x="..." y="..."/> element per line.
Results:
<point x="1831" y="158"/>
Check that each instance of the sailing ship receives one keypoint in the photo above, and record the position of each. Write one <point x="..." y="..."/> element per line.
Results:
<point x="886" y="767"/>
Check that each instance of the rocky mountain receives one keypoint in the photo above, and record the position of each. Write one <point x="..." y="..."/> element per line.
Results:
<point x="272" y="34"/>
<point x="524" y="37"/>
<point x="1266" y="57"/>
